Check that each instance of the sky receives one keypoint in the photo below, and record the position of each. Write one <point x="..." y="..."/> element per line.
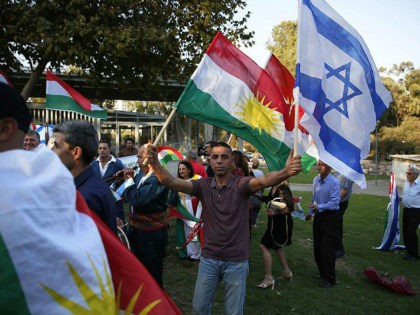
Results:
<point x="390" y="28"/>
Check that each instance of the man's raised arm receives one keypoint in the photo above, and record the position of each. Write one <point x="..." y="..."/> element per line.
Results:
<point x="293" y="167"/>
<point x="164" y="177"/>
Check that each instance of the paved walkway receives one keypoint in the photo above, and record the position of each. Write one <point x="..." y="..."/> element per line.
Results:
<point x="374" y="187"/>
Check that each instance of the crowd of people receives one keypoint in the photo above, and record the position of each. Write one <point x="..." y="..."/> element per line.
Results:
<point x="217" y="206"/>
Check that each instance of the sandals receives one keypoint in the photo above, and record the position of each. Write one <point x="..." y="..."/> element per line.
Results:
<point x="267" y="282"/>
<point x="288" y="275"/>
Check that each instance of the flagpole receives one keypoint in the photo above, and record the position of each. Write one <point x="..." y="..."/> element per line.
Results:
<point x="164" y="127"/>
<point x="296" y="92"/>
<point x="295" y="143"/>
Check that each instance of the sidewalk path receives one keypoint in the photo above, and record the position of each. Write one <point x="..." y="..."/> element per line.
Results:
<point x="374" y="187"/>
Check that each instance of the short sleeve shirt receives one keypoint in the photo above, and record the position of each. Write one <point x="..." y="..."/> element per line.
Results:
<point x="226" y="217"/>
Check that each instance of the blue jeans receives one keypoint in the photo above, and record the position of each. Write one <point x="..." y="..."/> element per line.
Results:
<point x="210" y="273"/>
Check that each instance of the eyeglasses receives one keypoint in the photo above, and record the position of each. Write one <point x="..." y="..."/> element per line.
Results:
<point x="408" y="173"/>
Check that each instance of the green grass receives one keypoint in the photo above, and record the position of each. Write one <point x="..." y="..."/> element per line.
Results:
<point x="354" y="294"/>
<point x="307" y="178"/>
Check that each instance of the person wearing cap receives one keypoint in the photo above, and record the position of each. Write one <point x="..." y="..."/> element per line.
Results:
<point x="411" y="213"/>
<point x="198" y="168"/>
<point x="14" y="118"/>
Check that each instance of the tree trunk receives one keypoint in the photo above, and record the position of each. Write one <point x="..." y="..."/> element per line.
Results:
<point x="35" y="75"/>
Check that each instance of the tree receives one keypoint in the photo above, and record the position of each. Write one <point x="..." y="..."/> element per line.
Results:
<point x="404" y="84"/>
<point x="283" y="44"/>
<point x="128" y="43"/>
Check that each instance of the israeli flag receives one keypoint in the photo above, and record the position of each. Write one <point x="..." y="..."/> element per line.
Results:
<point x="339" y="88"/>
<point x="391" y="236"/>
<point x="40" y="129"/>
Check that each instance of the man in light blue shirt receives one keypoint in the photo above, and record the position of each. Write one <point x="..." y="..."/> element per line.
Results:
<point x="411" y="214"/>
<point x="325" y="206"/>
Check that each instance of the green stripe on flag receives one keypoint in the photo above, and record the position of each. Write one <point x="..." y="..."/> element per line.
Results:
<point x="60" y="102"/>
<point x="12" y="298"/>
<point x="201" y="106"/>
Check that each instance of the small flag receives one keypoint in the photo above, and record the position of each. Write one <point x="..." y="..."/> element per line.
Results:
<point x="44" y="132"/>
<point x="339" y="88"/>
<point x="166" y="154"/>
<point x="61" y="96"/>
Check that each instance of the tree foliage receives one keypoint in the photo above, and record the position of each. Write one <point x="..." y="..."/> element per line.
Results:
<point x="283" y="44"/>
<point x="403" y="81"/>
<point x="403" y="139"/>
<point x="129" y="43"/>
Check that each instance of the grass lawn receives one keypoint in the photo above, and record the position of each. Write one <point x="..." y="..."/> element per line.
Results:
<point x="307" y="178"/>
<point x="354" y="294"/>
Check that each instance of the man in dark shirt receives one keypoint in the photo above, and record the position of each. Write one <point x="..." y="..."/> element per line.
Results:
<point x="129" y="148"/>
<point x="148" y="232"/>
<point x="225" y="200"/>
<point x="76" y="143"/>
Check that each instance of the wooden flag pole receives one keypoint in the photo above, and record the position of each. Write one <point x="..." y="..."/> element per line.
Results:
<point x="164" y="127"/>
<point x="295" y="142"/>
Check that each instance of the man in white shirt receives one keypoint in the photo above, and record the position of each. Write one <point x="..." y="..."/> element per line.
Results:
<point x="411" y="213"/>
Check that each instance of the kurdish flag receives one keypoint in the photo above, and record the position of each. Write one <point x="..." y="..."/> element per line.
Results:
<point x="229" y="90"/>
<point x="166" y="154"/>
<point x="67" y="261"/>
<point x="61" y="96"/>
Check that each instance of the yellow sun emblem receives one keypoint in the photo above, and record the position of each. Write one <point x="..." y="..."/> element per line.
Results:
<point x="261" y="117"/>
<point x="105" y="303"/>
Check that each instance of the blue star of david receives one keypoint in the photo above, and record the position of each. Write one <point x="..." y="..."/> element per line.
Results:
<point x="341" y="104"/>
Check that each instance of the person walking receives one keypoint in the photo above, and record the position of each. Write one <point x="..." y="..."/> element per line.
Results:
<point x="278" y="233"/>
<point x="225" y="201"/>
<point x="411" y="213"/>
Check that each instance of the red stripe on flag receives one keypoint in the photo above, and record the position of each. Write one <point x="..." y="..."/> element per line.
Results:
<point x="162" y="148"/>
<point x="235" y="62"/>
<point x="128" y="272"/>
<point x="79" y="98"/>
<point x="285" y="83"/>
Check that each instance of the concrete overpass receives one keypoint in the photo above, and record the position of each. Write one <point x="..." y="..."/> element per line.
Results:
<point x="168" y="90"/>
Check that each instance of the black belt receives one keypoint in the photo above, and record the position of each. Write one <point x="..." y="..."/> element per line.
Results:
<point x="326" y="211"/>
<point x="405" y="208"/>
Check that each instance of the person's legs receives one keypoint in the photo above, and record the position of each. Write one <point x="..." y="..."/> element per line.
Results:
<point x="287" y="274"/>
<point x="268" y="260"/>
<point x="150" y="248"/>
<point x="328" y="245"/>
<point x="342" y="210"/>
<point x="411" y="220"/>
<point x="234" y="278"/>
<point x="208" y="278"/>
<point x="317" y="236"/>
